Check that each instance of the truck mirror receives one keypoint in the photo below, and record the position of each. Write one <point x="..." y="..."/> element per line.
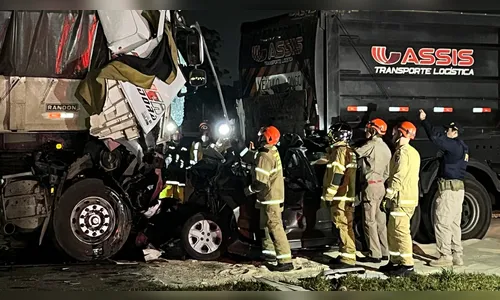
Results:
<point x="197" y="78"/>
<point x="194" y="48"/>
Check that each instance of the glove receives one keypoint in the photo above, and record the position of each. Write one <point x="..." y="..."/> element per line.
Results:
<point x="385" y="205"/>
<point x="248" y="191"/>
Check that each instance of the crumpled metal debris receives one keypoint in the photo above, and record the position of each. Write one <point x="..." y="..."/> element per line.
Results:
<point x="151" y="254"/>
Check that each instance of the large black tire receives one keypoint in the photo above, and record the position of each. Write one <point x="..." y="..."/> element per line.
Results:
<point x="476" y="212"/>
<point x="90" y="201"/>
<point x="211" y="234"/>
<point x="359" y="231"/>
<point x="361" y="244"/>
<point x="415" y="222"/>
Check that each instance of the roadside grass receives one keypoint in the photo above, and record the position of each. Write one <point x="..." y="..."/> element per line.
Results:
<point x="444" y="281"/>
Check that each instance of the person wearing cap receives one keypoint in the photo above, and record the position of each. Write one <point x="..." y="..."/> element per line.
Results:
<point x="201" y="143"/>
<point x="374" y="157"/>
<point x="448" y="211"/>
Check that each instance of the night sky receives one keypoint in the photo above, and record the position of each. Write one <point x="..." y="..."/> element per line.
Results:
<point x="228" y="23"/>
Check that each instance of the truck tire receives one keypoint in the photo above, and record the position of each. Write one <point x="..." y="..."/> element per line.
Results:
<point x="90" y="221"/>
<point x="476" y="210"/>
<point x="205" y="237"/>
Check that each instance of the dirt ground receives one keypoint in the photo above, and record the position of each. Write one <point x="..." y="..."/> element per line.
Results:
<point x="480" y="256"/>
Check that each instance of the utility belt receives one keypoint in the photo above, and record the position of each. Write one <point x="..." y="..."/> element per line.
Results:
<point x="450" y="185"/>
<point x="374" y="181"/>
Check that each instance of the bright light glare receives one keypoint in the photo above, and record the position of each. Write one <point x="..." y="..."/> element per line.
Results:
<point x="224" y="129"/>
<point x="171" y="127"/>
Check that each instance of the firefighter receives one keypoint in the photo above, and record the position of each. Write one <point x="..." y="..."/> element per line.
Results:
<point x="374" y="157"/>
<point x="400" y="200"/>
<point x="448" y="210"/>
<point x="203" y="142"/>
<point x="268" y="185"/>
<point x="339" y="183"/>
<point x="175" y="176"/>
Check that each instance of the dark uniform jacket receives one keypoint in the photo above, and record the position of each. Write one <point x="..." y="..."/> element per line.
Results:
<point x="455" y="153"/>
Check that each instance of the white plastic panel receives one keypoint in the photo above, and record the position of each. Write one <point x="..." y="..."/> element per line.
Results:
<point x="125" y="30"/>
<point x="117" y="121"/>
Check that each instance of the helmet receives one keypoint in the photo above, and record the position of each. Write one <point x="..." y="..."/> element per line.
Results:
<point x="270" y="135"/>
<point x="378" y="125"/>
<point x="204" y="127"/>
<point x="339" y="132"/>
<point x="408" y="130"/>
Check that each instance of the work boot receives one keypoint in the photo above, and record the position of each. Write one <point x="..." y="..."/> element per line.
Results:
<point x="281" y="267"/>
<point x="458" y="261"/>
<point x="441" y="262"/>
<point x="402" y="271"/>
<point x="369" y="259"/>
<point x="388" y="268"/>
<point x="337" y="263"/>
<point x="268" y="259"/>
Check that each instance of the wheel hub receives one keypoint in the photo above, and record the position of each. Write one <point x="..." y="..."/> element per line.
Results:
<point x="92" y="220"/>
<point x="470" y="213"/>
<point x="205" y="236"/>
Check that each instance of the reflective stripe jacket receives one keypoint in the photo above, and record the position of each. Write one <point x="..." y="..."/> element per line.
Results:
<point x="339" y="181"/>
<point x="374" y="156"/>
<point x="267" y="178"/>
<point x="196" y="152"/>
<point x="402" y="185"/>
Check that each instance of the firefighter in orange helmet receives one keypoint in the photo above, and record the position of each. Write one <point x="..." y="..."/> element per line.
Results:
<point x="268" y="184"/>
<point x="374" y="157"/>
<point x="400" y="200"/>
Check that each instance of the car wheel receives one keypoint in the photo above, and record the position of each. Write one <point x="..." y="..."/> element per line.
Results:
<point x="204" y="237"/>
<point x="476" y="211"/>
<point x="90" y="221"/>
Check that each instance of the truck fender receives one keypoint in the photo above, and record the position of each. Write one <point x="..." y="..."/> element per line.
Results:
<point x="476" y="167"/>
<point x="428" y="171"/>
<point x="430" y="166"/>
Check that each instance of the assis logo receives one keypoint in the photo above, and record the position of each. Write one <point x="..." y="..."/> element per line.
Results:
<point x="439" y="57"/>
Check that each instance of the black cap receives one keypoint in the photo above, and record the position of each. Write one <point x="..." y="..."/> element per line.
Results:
<point x="455" y="126"/>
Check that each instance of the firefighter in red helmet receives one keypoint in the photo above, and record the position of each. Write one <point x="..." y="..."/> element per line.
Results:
<point x="400" y="200"/>
<point x="374" y="157"/>
<point x="268" y="185"/>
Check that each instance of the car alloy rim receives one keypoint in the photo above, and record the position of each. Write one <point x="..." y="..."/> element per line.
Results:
<point x="205" y="237"/>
